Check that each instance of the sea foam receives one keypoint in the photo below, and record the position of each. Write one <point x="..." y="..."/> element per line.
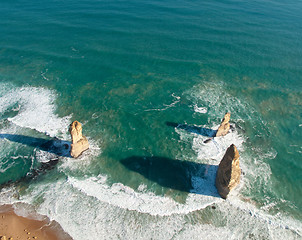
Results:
<point x="125" y="197"/>
<point x="81" y="209"/>
<point x="35" y="109"/>
<point x="89" y="206"/>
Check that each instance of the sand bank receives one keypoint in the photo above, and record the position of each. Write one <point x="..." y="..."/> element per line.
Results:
<point x="13" y="227"/>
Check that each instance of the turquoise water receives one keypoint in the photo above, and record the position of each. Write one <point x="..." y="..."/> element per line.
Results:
<point x="130" y="71"/>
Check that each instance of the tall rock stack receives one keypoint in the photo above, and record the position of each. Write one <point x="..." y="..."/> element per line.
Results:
<point x="79" y="142"/>
<point x="228" y="173"/>
<point x="224" y="126"/>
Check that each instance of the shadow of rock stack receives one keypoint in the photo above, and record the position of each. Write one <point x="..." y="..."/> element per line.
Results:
<point x="228" y="173"/>
<point x="79" y="142"/>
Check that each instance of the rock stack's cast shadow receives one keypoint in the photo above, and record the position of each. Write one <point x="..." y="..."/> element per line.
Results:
<point x="207" y="132"/>
<point x="176" y="174"/>
<point x="54" y="146"/>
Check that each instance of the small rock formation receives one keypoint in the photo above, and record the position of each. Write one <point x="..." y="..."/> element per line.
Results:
<point x="79" y="142"/>
<point x="228" y="173"/>
<point x="224" y="126"/>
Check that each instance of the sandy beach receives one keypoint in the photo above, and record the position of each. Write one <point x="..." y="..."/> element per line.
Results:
<point x="14" y="227"/>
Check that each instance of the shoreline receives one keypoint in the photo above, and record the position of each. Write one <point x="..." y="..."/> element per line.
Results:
<point x="31" y="226"/>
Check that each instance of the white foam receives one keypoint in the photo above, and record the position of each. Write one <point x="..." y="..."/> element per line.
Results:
<point x="4" y="169"/>
<point x="218" y="101"/>
<point x="166" y="106"/>
<point x="44" y="156"/>
<point x="255" y="167"/>
<point x="145" y="202"/>
<point x="91" y="207"/>
<point x="84" y="160"/>
<point x="275" y="225"/>
<point x="142" y="188"/>
<point x="96" y="216"/>
<point x="216" y="148"/>
<point x="205" y="231"/>
<point x="36" y="110"/>
<point x="200" y="109"/>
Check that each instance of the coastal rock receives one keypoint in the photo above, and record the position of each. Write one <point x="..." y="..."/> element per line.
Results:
<point x="228" y="173"/>
<point x="224" y="126"/>
<point x="79" y="142"/>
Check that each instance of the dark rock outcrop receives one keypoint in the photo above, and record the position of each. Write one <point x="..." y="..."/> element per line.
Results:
<point x="228" y="173"/>
<point x="79" y="142"/>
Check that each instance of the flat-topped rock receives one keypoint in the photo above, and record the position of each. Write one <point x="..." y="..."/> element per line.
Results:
<point x="79" y="142"/>
<point x="224" y="126"/>
<point x="229" y="171"/>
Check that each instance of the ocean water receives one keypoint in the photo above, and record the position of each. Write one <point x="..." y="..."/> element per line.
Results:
<point x="130" y="72"/>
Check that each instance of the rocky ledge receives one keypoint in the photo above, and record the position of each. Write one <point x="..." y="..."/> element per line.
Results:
<point x="229" y="171"/>
<point x="79" y="142"/>
<point x="224" y="126"/>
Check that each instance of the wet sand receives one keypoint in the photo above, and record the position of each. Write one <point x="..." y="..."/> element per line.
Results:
<point x="13" y="227"/>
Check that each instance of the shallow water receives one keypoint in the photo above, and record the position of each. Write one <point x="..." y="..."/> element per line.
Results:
<point x="130" y="72"/>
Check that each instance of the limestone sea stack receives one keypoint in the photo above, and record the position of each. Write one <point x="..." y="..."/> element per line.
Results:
<point x="228" y="173"/>
<point x="224" y="126"/>
<point x="79" y="142"/>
